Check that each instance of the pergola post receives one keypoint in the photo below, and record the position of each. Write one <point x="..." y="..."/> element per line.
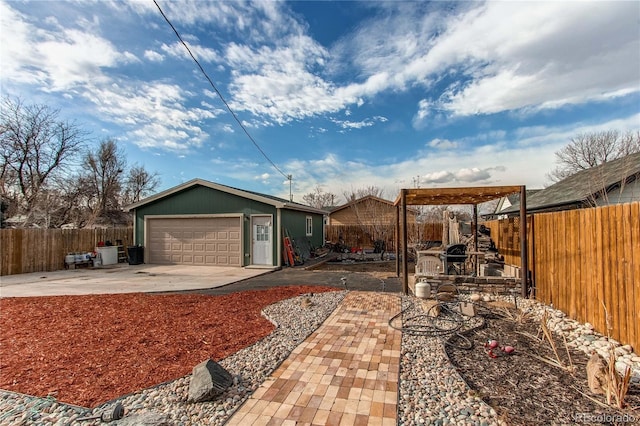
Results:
<point x="524" y="264"/>
<point x="397" y="241"/>
<point x="475" y="237"/>
<point x="405" y="251"/>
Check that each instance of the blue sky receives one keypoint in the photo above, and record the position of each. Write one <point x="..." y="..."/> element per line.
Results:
<point x="341" y="95"/>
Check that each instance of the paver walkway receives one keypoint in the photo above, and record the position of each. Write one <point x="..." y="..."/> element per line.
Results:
<point x="345" y="373"/>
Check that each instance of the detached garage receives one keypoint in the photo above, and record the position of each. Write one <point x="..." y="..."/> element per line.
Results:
<point x="204" y="223"/>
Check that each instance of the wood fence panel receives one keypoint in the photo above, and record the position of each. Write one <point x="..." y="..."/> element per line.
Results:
<point x="620" y="283"/>
<point x="633" y="290"/>
<point x="570" y="249"/>
<point x="557" y="258"/>
<point x="588" y="259"/>
<point x="365" y="236"/>
<point x="601" y="259"/>
<point x="544" y="271"/>
<point x="35" y="250"/>
<point x="583" y="261"/>
<point x="628" y="270"/>
<point x="609" y="248"/>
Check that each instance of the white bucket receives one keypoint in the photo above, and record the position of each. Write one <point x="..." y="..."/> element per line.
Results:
<point x="70" y="259"/>
<point x="79" y="257"/>
<point x="423" y="290"/>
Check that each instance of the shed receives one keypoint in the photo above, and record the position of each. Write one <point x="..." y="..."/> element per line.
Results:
<point x="205" y="223"/>
<point x="368" y="210"/>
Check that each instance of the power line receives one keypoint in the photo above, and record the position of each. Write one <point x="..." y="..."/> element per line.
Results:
<point x="287" y="176"/>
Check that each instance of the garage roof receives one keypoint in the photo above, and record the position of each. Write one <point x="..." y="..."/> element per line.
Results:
<point x="279" y="203"/>
<point x="447" y="196"/>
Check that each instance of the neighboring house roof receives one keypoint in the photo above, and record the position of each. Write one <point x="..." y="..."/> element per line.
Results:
<point x="512" y="200"/>
<point x="277" y="202"/>
<point x="585" y="186"/>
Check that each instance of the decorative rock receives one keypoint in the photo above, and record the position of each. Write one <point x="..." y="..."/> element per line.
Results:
<point x="621" y="366"/>
<point x="208" y="380"/>
<point x="475" y="297"/>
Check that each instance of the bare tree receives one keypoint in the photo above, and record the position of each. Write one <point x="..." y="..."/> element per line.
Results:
<point x="104" y="177"/>
<point x="319" y="199"/>
<point x="34" y="147"/>
<point x="356" y="194"/>
<point x="139" y="183"/>
<point x="591" y="149"/>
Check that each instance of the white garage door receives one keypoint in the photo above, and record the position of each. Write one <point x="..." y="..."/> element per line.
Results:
<point x="195" y="241"/>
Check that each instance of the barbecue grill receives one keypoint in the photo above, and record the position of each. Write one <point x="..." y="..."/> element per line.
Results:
<point x="455" y="254"/>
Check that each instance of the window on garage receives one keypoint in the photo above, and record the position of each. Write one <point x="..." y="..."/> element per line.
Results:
<point x="309" y="226"/>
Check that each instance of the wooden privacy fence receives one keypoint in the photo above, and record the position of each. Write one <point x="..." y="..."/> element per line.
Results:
<point x="36" y="250"/>
<point x="583" y="261"/>
<point x="506" y="235"/>
<point x="365" y="235"/>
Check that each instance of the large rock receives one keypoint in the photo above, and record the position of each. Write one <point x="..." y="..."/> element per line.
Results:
<point x="208" y="380"/>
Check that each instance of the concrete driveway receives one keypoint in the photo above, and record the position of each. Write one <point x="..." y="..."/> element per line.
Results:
<point x="123" y="278"/>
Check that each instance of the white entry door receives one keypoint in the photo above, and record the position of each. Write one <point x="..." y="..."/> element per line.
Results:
<point x="262" y="240"/>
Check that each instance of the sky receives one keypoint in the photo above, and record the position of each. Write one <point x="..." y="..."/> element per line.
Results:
<point x="339" y="95"/>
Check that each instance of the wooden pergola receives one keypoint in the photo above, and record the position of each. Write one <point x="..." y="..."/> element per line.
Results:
<point x="456" y="196"/>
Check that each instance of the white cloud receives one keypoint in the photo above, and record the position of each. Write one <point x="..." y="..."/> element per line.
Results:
<point x="474" y="174"/>
<point x="155" y="113"/>
<point x="368" y="122"/>
<point x="153" y="56"/>
<point x="442" y="144"/>
<point x="546" y="55"/>
<point x="437" y="177"/>
<point x="264" y="178"/>
<point x="57" y="59"/>
<point x="279" y="82"/>
<point x="202" y="53"/>
<point x="530" y="55"/>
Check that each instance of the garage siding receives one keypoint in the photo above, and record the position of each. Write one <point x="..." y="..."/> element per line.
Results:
<point x="195" y="241"/>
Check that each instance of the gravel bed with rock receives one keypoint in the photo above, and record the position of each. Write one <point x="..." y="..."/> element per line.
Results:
<point x="431" y="390"/>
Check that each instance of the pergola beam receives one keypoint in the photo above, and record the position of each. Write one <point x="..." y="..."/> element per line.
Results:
<point x="447" y="196"/>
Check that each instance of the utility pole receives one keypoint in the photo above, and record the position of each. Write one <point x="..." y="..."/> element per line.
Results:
<point x="290" y="179"/>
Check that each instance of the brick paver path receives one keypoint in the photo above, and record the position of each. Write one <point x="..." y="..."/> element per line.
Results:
<point x="345" y="373"/>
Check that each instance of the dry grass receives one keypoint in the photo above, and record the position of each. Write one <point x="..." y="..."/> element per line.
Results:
<point x="618" y="384"/>
<point x="546" y="332"/>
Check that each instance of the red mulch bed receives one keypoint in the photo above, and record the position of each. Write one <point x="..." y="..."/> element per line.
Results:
<point x="86" y="350"/>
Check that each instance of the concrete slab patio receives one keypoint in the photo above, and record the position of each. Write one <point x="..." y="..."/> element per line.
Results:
<point x="123" y="278"/>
